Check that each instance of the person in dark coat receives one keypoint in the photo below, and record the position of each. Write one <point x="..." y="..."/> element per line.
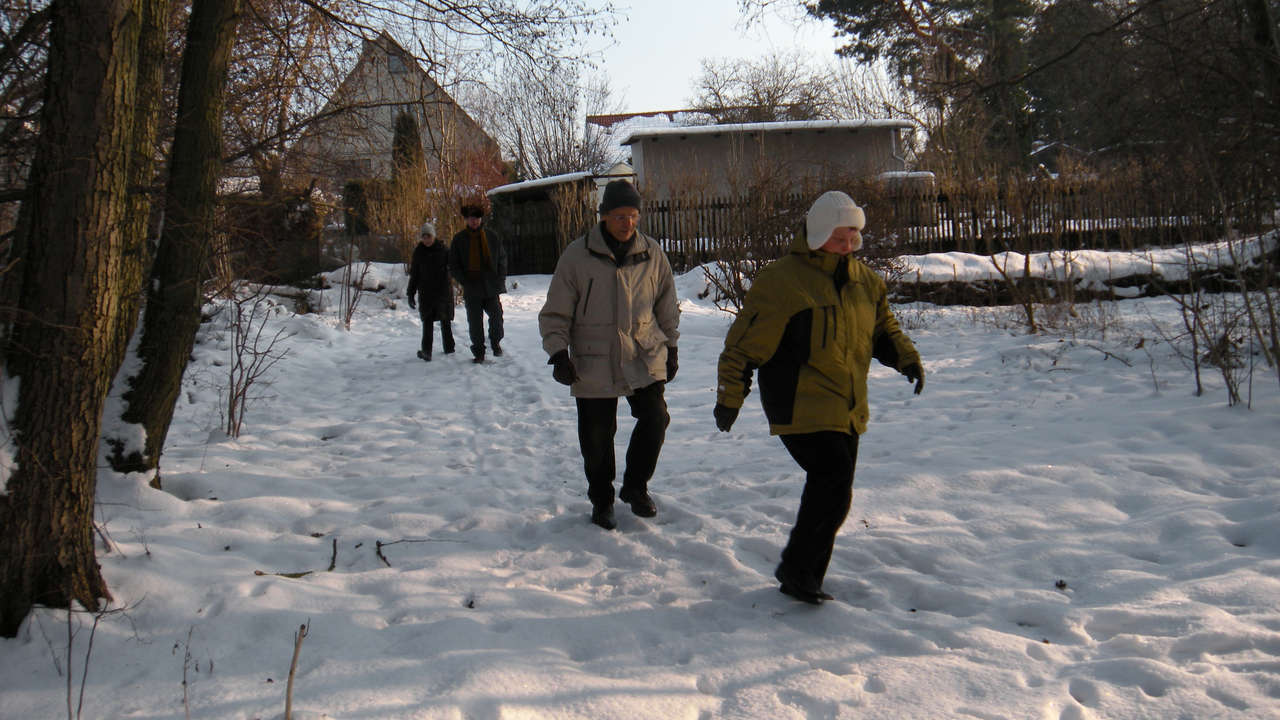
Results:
<point x="430" y="290"/>
<point x="478" y="262"/>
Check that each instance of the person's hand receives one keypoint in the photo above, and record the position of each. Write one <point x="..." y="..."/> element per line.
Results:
<point x="725" y="416"/>
<point x="915" y="374"/>
<point x="672" y="363"/>
<point x="413" y="303"/>
<point x="563" y="372"/>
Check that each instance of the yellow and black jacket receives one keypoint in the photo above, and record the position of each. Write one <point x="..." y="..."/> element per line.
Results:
<point x="811" y="323"/>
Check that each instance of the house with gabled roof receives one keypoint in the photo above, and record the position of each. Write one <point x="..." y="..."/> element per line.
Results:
<point x="353" y="141"/>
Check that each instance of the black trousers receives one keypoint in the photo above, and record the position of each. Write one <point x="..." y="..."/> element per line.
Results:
<point x="477" y="308"/>
<point x="597" y="425"/>
<point x="429" y="318"/>
<point x="828" y="459"/>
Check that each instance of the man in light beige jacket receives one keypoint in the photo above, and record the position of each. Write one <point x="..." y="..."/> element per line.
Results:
<point x="609" y="326"/>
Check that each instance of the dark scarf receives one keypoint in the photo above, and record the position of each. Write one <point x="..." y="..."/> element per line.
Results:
<point x="618" y="248"/>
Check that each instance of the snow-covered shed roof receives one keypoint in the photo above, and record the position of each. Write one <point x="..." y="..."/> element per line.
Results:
<point x="788" y="126"/>
<point x="540" y="182"/>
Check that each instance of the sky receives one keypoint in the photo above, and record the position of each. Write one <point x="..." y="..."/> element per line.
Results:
<point x="659" y="46"/>
<point x="1058" y="527"/>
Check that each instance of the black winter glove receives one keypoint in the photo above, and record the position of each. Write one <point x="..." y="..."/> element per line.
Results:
<point x="563" y="372"/>
<point x="915" y="374"/>
<point x="725" y="416"/>
<point x="413" y="303"/>
<point x="672" y="363"/>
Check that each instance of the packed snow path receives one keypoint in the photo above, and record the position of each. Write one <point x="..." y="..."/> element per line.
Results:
<point x="1043" y="533"/>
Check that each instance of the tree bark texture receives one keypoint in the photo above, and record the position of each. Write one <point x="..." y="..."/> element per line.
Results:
<point x="65" y="344"/>
<point x="143" y="180"/>
<point x="175" y="296"/>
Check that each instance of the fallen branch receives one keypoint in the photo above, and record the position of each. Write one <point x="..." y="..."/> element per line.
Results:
<point x="1107" y="354"/>
<point x="381" y="545"/>
<point x="333" y="562"/>
<point x="292" y="575"/>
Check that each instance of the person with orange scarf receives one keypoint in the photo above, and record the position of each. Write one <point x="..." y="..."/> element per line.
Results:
<point x="478" y="261"/>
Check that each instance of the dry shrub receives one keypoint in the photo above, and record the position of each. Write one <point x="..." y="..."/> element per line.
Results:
<point x="762" y="218"/>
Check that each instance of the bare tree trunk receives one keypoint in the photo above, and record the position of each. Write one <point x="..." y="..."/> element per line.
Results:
<point x="67" y="335"/>
<point x="137" y="256"/>
<point x="174" y="299"/>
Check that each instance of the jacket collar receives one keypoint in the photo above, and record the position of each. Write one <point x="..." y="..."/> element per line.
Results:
<point x="638" y="251"/>
<point x="824" y="261"/>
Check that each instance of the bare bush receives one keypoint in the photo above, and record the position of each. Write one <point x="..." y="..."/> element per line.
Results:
<point x="761" y="224"/>
<point x="254" y="351"/>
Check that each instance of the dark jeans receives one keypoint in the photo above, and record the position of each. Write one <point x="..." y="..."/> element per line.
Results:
<point x="828" y="459"/>
<point x="429" y="318"/>
<point x="477" y="308"/>
<point x="598" y="423"/>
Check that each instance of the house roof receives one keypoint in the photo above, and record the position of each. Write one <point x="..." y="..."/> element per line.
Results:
<point x="608" y="121"/>
<point x="790" y="126"/>
<point x="540" y="182"/>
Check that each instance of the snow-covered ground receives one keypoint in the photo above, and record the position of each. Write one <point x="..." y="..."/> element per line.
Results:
<point x="1054" y="529"/>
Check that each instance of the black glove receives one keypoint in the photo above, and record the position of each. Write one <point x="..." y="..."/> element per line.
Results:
<point x="915" y="374"/>
<point x="563" y="372"/>
<point x="725" y="416"/>
<point x="413" y="303"/>
<point x="672" y="363"/>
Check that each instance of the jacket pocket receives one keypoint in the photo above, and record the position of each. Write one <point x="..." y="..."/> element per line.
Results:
<point x="649" y="336"/>
<point x="581" y="310"/>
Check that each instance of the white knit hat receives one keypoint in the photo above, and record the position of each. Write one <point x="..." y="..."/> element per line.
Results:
<point x="831" y="210"/>
<point x="427" y="229"/>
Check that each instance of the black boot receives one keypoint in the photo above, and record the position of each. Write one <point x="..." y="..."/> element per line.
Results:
<point x="639" y="500"/>
<point x="497" y="349"/>
<point x="602" y="515"/>
<point x="424" y="356"/>
<point x="798" y="588"/>
<point x="446" y="335"/>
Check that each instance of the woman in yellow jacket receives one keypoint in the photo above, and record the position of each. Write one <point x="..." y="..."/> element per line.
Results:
<point x="811" y="323"/>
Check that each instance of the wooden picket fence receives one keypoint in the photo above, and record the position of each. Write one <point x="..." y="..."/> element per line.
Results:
<point x="1025" y="217"/>
<point x="692" y="230"/>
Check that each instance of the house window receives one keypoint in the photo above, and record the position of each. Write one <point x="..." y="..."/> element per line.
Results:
<point x="395" y="64"/>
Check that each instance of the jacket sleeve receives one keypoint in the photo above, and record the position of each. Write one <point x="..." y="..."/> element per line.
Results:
<point x="456" y="268"/>
<point x="500" y="252"/>
<point x="413" y="275"/>
<point x="666" y="306"/>
<point x="890" y="345"/>
<point x="752" y="339"/>
<point x="555" y="320"/>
